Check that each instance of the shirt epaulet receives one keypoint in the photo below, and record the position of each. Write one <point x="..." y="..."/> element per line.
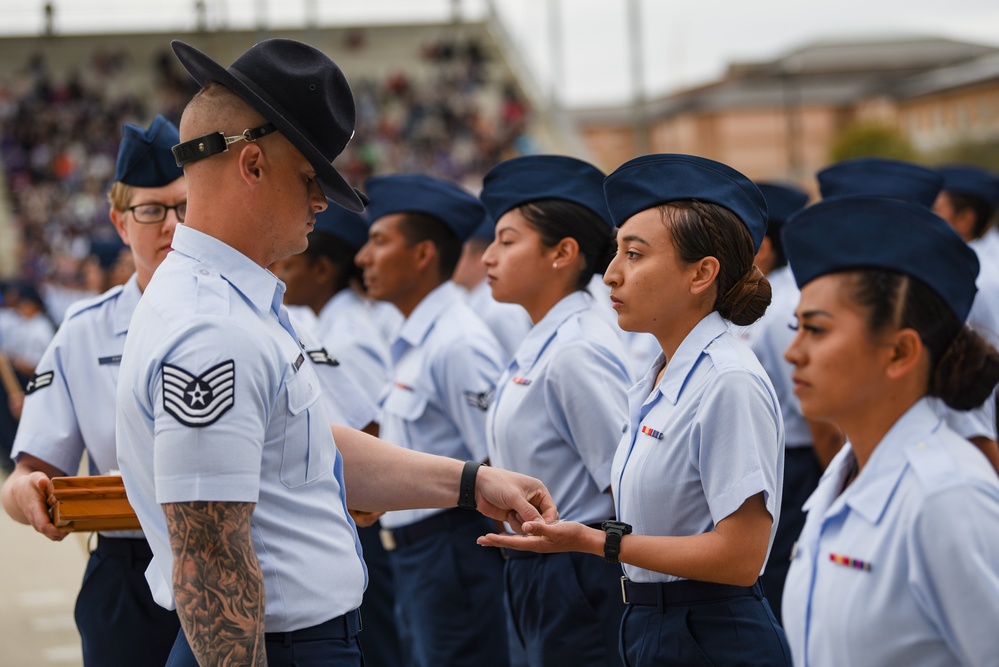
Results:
<point x="92" y="302"/>
<point x="933" y="465"/>
<point x="570" y="331"/>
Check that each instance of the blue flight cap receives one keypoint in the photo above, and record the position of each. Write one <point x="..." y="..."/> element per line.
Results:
<point x="652" y="180"/>
<point x="846" y="233"/>
<point x="144" y="156"/>
<point x="971" y="181"/>
<point x="535" y="177"/>
<point x="880" y="177"/>
<point x="783" y="201"/>
<point x="486" y="229"/>
<point x="346" y="225"/>
<point x="415" y="193"/>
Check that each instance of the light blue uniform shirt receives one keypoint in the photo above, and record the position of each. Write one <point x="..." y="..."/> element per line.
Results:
<point x="446" y="363"/>
<point x="772" y="339"/>
<point x="69" y="406"/>
<point x="923" y="516"/>
<point x="560" y="406"/>
<point x="700" y="443"/>
<point x="642" y="348"/>
<point x="346" y="403"/>
<point x="509" y="322"/>
<point x="346" y="329"/>
<point x="216" y="402"/>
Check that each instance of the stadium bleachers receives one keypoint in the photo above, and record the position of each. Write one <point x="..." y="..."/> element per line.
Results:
<point x="435" y="98"/>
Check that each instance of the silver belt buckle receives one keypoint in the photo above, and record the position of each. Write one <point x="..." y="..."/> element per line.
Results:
<point x="624" y="591"/>
<point x="388" y="539"/>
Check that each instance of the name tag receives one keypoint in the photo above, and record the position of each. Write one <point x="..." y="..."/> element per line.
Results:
<point x="103" y="361"/>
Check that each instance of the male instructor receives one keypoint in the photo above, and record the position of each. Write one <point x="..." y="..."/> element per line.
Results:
<point x="224" y="445"/>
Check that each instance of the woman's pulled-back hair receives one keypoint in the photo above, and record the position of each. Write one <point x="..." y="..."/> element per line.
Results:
<point x="556" y="219"/>
<point x="700" y="229"/>
<point x="964" y="367"/>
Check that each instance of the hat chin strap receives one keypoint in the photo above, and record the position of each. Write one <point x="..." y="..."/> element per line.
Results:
<point x="215" y="143"/>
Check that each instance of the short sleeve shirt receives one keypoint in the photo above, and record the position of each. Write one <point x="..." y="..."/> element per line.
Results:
<point x="216" y="402"/>
<point x="346" y="403"/>
<point x="901" y="568"/>
<point x="560" y="407"/>
<point x="69" y="404"/>
<point x="445" y="364"/>
<point x="345" y="328"/>
<point x="700" y="443"/>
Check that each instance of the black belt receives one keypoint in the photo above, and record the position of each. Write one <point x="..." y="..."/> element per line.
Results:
<point x="403" y="536"/>
<point x="341" y="627"/>
<point x="674" y="593"/>
<point x="517" y="554"/>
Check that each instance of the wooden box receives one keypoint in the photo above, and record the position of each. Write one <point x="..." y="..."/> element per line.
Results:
<point x="84" y="504"/>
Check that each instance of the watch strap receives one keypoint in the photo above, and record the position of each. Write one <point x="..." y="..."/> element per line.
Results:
<point x="466" y="491"/>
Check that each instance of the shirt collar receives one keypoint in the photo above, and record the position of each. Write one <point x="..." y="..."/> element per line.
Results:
<point x="419" y="323"/>
<point x="125" y="305"/>
<point x="686" y="356"/>
<point x="541" y="333"/>
<point x="254" y="282"/>
<point x="869" y="494"/>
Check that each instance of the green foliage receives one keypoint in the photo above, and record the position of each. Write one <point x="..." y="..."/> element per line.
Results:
<point x="871" y="140"/>
<point x="983" y="154"/>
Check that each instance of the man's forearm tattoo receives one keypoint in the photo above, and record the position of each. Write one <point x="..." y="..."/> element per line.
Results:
<point x="217" y="582"/>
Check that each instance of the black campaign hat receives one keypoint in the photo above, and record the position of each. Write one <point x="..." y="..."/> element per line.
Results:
<point x="300" y="91"/>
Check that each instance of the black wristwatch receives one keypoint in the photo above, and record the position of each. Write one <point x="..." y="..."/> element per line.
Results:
<point x="612" y="543"/>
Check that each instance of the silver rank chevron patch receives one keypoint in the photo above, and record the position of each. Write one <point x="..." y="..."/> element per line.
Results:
<point x="321" y="356"/>
<point x="480" y="399"/>
<point x="38" y="381"/>
<point x="199" y="400"/>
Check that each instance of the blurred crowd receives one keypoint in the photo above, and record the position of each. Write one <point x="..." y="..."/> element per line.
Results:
<point x="445" y="114"/>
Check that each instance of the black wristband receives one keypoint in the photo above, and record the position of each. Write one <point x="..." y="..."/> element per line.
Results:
<point x="466" y="492"/>
<point x="615" y="531"/>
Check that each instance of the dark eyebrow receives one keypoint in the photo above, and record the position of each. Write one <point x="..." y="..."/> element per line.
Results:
<point x="813" y="313"/>
<point x="632" y="238"/>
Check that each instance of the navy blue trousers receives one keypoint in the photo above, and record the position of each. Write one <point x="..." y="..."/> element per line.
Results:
<point x="566" y="609"/>
<point x="120" y="624"/>
<point x="801" y="475"/>
<point x="449" y="594"/>
<point x="379" y="641"/>
<point x="735" y="632"/>
<point x="331" y="644"/>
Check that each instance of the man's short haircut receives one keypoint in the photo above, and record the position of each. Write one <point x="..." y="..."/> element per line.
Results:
<point x="419" y="227"/>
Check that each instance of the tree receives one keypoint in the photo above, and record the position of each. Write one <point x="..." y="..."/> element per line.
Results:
<point x="865" y="139"/>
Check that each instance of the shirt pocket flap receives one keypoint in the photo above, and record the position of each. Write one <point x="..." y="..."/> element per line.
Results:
<point x="407" y="404"/>
<point x="303" y="390"/>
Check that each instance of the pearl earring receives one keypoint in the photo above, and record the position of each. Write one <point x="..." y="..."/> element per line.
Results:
<point x="554" y="265"/>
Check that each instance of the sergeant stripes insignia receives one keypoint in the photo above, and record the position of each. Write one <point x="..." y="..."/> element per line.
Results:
<point x="38" y="381"/>
<point x="321" y="356"/>
<point x="199" y="400"/>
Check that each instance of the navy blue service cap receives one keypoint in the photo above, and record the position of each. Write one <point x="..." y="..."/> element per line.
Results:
<point x="522" y="180"/>
<point x="653" y="180"/>
<point x="971" y="181"/>
<point x="783" y="201"/>
<point x="349" y="227"/>
<point x="415" y="193"/>
<point x="847" y="233"/>
<point x="298" y="89"/>
<point x="144" y="157"/>
<point x="880" y="177"/>
<point x="486" y="229"/>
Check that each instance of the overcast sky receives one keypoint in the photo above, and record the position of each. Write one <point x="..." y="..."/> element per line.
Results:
<point x="685" y="42"/>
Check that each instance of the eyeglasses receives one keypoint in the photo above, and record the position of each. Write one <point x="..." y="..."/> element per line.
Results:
<point x="148" y="214"/>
